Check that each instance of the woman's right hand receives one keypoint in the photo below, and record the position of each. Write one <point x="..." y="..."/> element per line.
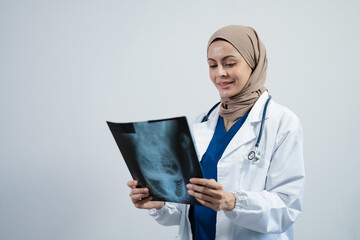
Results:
<point x="140" y="197"/>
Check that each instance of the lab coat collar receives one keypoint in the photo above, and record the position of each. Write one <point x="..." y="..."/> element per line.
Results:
<point x="203" y="132"/>
<point x="256" y="112"/>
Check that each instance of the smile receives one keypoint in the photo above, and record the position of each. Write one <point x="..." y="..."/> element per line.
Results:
<point x="224" y="85"/>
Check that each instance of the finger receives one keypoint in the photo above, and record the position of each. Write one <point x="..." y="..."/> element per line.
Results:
<point x="143" y="203"/>
<point x="132" y="183"/>
<point x="204" y="190"/>
<point x="208" y="204"/>
<point x="204" y="203"/>
<point x="139" y="191"/>
<point x="138" y="197"/>
<point x="203" y="197"/>
<point x="198" y="188"/>
<point x="210" y="183"/>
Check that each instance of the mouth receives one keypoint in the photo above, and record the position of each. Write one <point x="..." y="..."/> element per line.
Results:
<point x="224" y="84"/>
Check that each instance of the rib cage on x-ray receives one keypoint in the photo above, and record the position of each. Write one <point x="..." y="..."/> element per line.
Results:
<point x="161" y="155"/>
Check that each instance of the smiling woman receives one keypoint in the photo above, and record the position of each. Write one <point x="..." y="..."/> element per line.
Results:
<point x="241" y="198"/>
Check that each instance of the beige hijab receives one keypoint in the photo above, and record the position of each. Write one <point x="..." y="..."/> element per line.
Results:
<point x="251" y="48"/>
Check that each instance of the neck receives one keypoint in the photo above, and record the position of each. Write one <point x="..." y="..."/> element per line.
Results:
<point x="228" y="124"/>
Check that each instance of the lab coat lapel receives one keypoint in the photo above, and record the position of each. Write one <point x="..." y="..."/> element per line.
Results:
<point x="203" y="132"/>
<point x="247" y="132"/>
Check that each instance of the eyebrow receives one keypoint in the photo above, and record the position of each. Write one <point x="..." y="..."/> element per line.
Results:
<point x="224" y="58"/>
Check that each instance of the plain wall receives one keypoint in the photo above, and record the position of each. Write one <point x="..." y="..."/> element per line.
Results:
<point x="68" y="66"/>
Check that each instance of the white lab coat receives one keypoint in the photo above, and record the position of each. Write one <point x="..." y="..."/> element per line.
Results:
<point x="268" y="196"/>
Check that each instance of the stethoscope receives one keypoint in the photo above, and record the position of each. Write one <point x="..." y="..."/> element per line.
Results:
<point x="254" y="156"/>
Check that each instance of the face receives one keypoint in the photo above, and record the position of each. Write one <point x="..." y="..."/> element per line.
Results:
<point x="228" y="69"/>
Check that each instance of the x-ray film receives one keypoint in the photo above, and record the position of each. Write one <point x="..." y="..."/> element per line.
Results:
<point x="160" y="154"/>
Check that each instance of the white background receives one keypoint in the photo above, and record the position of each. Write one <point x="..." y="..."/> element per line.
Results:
<point x="68" y="66"/>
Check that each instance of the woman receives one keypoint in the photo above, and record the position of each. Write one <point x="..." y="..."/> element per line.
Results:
<point x="257" y="199"/>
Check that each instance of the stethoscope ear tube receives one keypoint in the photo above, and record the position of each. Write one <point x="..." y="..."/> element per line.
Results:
<point x="206" y="117"/>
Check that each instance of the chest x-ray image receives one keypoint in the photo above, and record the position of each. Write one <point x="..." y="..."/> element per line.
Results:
<point x="160" y="154"/>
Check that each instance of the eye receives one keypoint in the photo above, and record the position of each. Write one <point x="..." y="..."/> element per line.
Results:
<point x="230" y="64"/>
<point x="212" y="66"/>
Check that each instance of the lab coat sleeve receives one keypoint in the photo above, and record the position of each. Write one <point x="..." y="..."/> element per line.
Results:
<point x="276" y="208"/>
<point x="168" y="215"/>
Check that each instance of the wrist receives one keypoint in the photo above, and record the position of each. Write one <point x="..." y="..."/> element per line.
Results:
<point x="230" y="201"/>
<point x="161" y="205"/>
<point x="156" y="212"/>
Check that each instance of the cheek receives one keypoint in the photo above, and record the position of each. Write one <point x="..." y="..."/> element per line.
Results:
<point x="212" y="75"/>
<point x="242" y="76"/>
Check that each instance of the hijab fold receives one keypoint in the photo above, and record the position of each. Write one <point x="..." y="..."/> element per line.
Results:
<point x="246" y="41"/>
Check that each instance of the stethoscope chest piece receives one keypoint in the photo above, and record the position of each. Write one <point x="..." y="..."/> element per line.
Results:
<point x="254" y="156"/>
<point x="251" y="155"/>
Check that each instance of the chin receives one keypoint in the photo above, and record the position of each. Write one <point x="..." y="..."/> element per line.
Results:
<point x="226" y="94"/>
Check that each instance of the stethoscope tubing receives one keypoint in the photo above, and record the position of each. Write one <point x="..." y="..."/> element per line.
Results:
<point x="206" y="117"/>
<point x="263" y="121"/>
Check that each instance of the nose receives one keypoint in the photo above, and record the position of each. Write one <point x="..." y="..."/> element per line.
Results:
<point x="220" y="72"/>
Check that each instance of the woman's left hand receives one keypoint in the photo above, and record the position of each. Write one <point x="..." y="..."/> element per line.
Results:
<point x="211" y="194"/>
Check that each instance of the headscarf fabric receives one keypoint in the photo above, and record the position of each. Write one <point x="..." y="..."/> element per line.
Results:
<point x="246" y="41"/>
